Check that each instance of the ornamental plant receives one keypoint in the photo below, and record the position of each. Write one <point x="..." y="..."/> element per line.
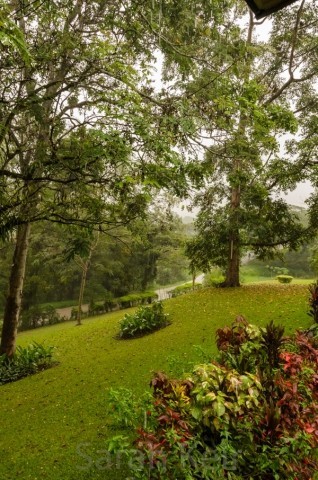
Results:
<point x="26" y="361"/>
<point x="313" y="301"/>
<point x="143" y="321"/>
<point x="252" y="413"/>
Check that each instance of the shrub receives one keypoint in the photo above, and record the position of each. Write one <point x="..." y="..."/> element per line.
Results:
<point x="95" y="308"/>
<point x="144" y="320"/>
<point x="37" y="316"/>
<point x="284" y="278"/>
<point x="214" y="278"/>
<point x="223" y="423"/>
<point x="125" y="408"/>
<point x="313" y="301"/>
<point x="74" y="313"/>
<point x="26" y="361"/>
<point x="135" y="299"/>
<point x="185" y="288"/>
<point x="109" y="302"/>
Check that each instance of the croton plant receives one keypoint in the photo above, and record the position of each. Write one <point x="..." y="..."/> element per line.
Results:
<point x="251" y="414"/>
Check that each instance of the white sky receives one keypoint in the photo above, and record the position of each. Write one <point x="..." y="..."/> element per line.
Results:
<point x="298" y="196"/>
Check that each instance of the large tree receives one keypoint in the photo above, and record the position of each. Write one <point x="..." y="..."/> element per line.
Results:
<point x="248" y="117"/>
<point x="80" y="136"/>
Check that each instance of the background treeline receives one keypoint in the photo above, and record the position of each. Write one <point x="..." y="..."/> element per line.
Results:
<point x="148" y="254"/>
<point x="123" y="261"/>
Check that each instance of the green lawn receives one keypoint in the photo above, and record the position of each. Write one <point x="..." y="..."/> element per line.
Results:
<point x="54" y="425"/>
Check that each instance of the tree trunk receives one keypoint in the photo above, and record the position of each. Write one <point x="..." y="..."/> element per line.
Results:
<point x="82" y="289"/>
<point x="84" y="264"/>
<point x="193" y="278"/>
<point x="232" y="278"/>
<point x="14" y="297"/>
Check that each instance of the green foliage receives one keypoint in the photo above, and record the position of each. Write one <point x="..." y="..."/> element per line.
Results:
<point x="126" y="301"/>
<point x="11" y="36"/>
<point x="67" y="405"/>
<point x="313" y="301"/>
<point x="120" y="264"/>
<point x="184" y="288"/>
<point x="284" y="278"/>
<point x="250" y="105"/>
<point x="143" y="321"/>
<point x="272" y="338"/>
<point x="74" y="313"/>
<point x="95" y="308"/>
<point x="126" y="409"/>
<point x="26" y="361"/>
<point x="214" y="277"/>
<point x="223" y="423"/>
<point x="278" y="270"/>
<point x="135" y="299"/>
<point x="38" y="316"/>
<point x="295" y="263"/>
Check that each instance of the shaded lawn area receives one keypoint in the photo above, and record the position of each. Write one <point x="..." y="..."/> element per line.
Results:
<point x="54" y="425"/>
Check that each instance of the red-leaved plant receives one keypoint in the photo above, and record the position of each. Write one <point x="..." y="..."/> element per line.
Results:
<point x="222" y="423"/>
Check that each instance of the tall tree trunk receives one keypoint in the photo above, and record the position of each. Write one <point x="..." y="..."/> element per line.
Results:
<point x="84" y="264"/>
<point x="194" y="274"/>
<point x="82" y="289"/>
<point x="232" y="278"/>
<point x="14" y="297"/>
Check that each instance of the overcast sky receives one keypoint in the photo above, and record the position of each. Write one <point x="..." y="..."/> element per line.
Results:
<point x="298" y="196"/>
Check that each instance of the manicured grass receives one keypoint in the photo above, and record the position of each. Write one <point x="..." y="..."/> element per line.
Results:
<point x="255" y="273"/>
<point x="55" y="424"/>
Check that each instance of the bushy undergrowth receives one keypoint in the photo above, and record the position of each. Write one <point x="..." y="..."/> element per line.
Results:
<point x="143" y="321"/>
<point x="26" y="361"/>
<point x="251" y="414"/>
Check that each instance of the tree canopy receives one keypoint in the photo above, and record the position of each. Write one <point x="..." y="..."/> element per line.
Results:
<point x="254" y="132"/>
<point x="85" y="137"/>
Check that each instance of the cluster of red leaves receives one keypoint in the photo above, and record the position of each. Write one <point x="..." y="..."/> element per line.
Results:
<point x="165" y="388"/>
<point x="297" y="391"/>
<point x="168" y="418"/>
<point x="150" y="443"/>
<point x="291" y="403"/>
<point x="233" y="336"/>
<point x="293" y="362"/>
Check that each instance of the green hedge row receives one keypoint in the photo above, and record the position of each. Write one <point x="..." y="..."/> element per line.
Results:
<point x="39" y="316"/>
<point x="126" y="301"/>
<point x="186" y="288"/>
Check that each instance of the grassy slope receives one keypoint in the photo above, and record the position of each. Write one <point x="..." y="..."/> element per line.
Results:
<point x="46" y="419"/>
